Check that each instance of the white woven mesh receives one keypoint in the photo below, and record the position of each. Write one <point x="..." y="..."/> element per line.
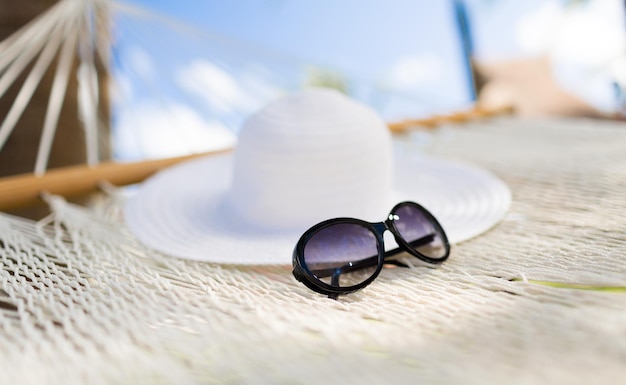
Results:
<point x="83" y="302"/>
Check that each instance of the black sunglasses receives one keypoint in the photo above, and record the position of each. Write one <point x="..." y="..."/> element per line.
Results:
<point x="342" y="255"/>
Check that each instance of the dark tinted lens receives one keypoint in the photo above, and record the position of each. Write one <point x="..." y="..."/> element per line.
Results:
<point x="419" y="231"/>
<point x="342" y="254"/>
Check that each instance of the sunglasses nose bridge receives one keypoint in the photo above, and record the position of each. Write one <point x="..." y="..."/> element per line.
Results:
<point x="388" y="223"/>
<point x="383" y="227"/>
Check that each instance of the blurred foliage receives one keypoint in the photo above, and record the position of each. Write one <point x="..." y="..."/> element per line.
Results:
<point x="320" y="77"/>
<point x="575" y="2"/>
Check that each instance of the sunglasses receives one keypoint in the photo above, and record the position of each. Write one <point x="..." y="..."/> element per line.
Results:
<point x="342" y="255"/>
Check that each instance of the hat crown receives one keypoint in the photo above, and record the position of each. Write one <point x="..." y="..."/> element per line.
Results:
<point x="310" y="156"/>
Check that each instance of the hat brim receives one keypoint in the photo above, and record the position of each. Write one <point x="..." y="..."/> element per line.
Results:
<point x="183" y="211"/>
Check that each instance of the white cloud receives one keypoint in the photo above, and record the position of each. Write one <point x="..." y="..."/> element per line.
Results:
<point x="583" y="42"/>
<point x="121" y="89"/>
<point x="414" y="71"/>
<point x="262" y="92"/>
<point x="214" y="85"/>
<point x="153" y="130"/>
<point x="150" y="129"/>
<point x="141" y="63"/>
<point x="535" y="31"/>
<point x="589" y="34"/>
<point x="594" y="87"/>
<point x="245" y="93"/>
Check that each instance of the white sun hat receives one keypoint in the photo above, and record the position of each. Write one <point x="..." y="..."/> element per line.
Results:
<point x="310" y="156"/>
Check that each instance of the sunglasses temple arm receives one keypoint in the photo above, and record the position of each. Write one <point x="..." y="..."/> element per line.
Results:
<point x="368" y="262"/>
<point x="335" y="272"/>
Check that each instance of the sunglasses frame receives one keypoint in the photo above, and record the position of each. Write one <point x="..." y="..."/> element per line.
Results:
<point x="303" y="274"/>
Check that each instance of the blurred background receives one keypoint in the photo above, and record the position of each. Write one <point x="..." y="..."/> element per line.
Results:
<point x="151" y="79"/>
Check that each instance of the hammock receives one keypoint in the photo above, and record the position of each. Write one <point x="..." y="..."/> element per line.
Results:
<point x="538" y="299"/>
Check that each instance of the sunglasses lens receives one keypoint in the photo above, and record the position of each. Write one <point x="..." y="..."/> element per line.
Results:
<point x="420" y="231"/>
<point x="342" y="254"/>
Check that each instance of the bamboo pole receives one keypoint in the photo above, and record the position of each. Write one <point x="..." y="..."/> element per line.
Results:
<point x="25" y="189"/>
<point x="456" y="117"/>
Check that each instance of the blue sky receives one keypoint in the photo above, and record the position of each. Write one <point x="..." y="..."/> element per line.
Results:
<point x="203" y="67"/>
<point x="363" y="39"/>
<point x="213" y="63"/>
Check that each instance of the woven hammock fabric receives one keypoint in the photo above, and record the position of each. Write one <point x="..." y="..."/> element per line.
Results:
<point x="83" y="302"/>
